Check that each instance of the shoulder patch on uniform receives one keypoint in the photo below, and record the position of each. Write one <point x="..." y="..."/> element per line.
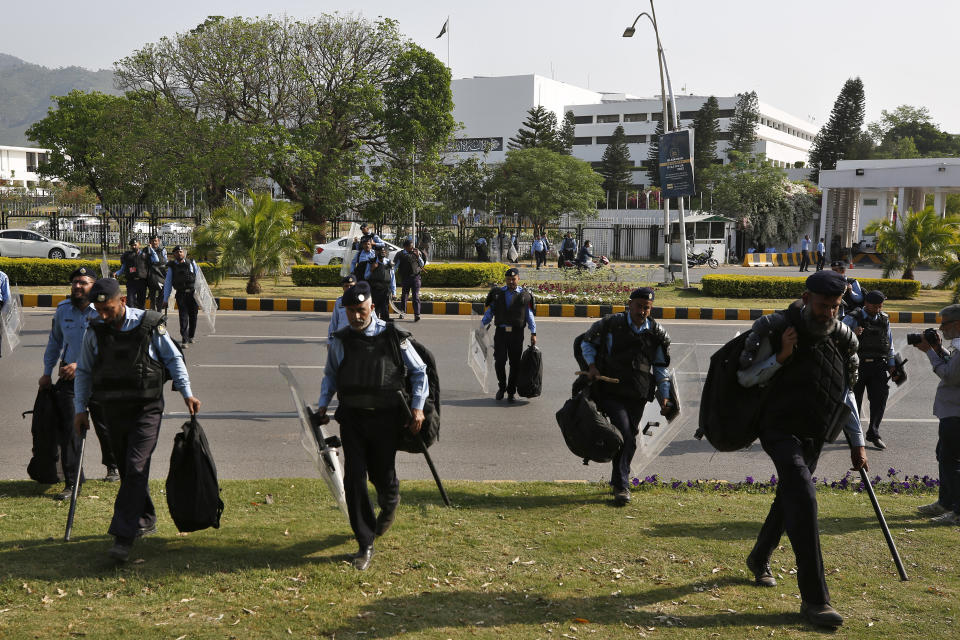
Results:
<point x="162" y="329"/>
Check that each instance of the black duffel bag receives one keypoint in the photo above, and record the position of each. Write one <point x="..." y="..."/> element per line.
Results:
<point x="530" y="373"/>
<point x="587" y="432"/>
<point x="193" y="493"/>
<point x="45" y="428"/>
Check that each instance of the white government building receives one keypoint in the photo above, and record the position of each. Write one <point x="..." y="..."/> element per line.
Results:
<point x="18" y="167"/>
<point x="491" y="110"/>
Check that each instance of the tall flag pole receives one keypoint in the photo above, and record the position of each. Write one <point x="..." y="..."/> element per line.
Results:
<point x="446" y="30"/>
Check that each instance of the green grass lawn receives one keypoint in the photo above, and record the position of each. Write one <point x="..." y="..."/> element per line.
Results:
<point x="509" y="560"/>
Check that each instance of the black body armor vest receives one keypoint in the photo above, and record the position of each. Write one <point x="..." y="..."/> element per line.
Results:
<point x="873" y="340"/>
<point x="379" y="277"/>
<point x="631" y="358"/>
<point x="408" y="265"/>
<point x="372" y="372"/>
<point x="516" y="314"/>
<point x="124" y="371"/>
<point x="183" y="278"/>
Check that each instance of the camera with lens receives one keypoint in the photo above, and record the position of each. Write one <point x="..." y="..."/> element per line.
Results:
<point x="933" y="338"/>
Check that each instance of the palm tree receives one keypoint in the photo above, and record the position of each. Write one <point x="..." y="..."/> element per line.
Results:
<point x="253" y="236"/>
<point x="920" y="237"/>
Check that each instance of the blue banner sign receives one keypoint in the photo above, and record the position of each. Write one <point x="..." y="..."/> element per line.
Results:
<point x="676" y="164"/>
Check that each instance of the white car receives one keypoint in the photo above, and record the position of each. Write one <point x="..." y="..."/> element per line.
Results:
<point x="21" y="243"/>
<point x="176" y="227"/>
<point x="333" y="252"/>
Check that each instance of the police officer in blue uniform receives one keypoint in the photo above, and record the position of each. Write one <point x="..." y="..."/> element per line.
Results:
<point x="852" y="298"/>
<point x="367" y="365"/>
<point x="157" y="259"/>
<point x="877" y="359"/>
<point x="182" y="276"/>
<point x="382" y="280"/>
<point x="134" y="266"/>
<point x="122" y="361"/>
<point x="510" y="308"/>
<point x="4" y="295"/>
<point x="633" y="348"/>
<point x="63" y="345"/>
<point x="358" y="266"/>
<point x="338" y="320"/>
<point x="808" y="362"/>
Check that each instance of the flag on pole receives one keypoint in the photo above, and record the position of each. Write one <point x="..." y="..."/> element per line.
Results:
<point x="443" y="30"/>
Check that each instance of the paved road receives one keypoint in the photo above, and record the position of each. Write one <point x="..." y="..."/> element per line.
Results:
<point x="247" y="408"/>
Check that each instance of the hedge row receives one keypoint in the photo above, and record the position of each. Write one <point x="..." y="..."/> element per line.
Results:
<point x="434" y="275"/>
<point x="41" y="271"/>
<point x="733" y="286"/>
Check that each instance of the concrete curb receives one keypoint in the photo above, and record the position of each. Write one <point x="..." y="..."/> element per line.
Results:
<point x="466" y="308"/>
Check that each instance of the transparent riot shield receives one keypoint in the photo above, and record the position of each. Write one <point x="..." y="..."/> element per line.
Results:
<point x="11" y="319"/>
<point x="205" y="300"/>
<point x="479" y="350"/>
<point x="104" y="268"/>
<point x="347" y="266"/>
<point x="325" y="451"/>
<point x="656" y="432"/>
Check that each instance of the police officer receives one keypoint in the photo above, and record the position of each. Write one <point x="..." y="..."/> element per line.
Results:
<point x="635" y="349"/>
<point x="133" y="265"/>
<point x="853" y="295"/>
<point x="182" y="276"/>
<point x="364" y="370"/>
<point x="121" y="367"/>
<point x="568" y="250"/>
<point x="510" y="308"/>
<point x="338" y="320"/>
<point x="367" y="232"/>
<point x="805" y="253"/>
<point x="383" y="281"/>
<point x="808" y="362"/>
<point x="410" y="263"/>
<point x="821" y="255"/>
<point x="157" y="259"/>
<point x="359" y="265"/>
<point x="63" y="345"/>
<point x="877" y="359"/>
<point x="480" y="245"/>
<point x="4" y="296"/>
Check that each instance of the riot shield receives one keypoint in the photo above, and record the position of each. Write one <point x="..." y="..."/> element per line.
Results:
<point x="656" y="432"/>
<point x="11" y="319"/>
<point x="205" y="300"/>
<point x="104" y="268"/>
<point x="325" y="451"/>
<point x="478" y="350"/>
<point x="347" y="265"/>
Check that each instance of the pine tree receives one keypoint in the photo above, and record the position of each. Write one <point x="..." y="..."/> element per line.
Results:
<point x="567" y="133"/>
<point x="743" y="125"/>
<point x="615" y="167"/>
<point x="538" y="130"/>
<point x="841" y="135"/>
<point x="706" y="132"/>
<point x="653" y="156"/>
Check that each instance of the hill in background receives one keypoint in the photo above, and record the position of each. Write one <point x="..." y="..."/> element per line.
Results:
<point x="25" y="91"/>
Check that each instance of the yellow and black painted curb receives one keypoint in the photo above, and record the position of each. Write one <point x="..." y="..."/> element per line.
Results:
<point x="466" y="308"/>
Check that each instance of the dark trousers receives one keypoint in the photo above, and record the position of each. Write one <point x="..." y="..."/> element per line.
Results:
<point x="136" y="293"/>
<point x="507" y="345"/>
<point x="411" y="285"/>
<point x="155" y="296"/>
<point x="625" y="416"/>
<point x="133" y="428"/>
<point x="541" y="257"/>
<point x="103" y="436"/>
<point x="794" y="510"/>
<point x="820" y="260"/>
<point x="804" y="260"/>
<point x="873" y="378"/>
<point x="369" y="439"/>
<point x="381" y="304"/>
<point x="948" y="455"/>
<point x="68" y="442"/>
<point x="187" y="309"/>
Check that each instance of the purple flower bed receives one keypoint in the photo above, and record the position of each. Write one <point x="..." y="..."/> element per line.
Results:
<point x="893" y="483"/>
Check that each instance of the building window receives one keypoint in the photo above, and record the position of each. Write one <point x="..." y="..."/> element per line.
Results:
<point x="583" y="140"/>
<point x="726" y="113"/>
<point x="583" y="120"/>
<point x="609" y="118"/>
<point x="634" y="117"/>
<point x="636" y="139"/>
<point x="870" y="202"/>
<point x="688" y="115"/>
<point x="604" y="139"/>
<point x="724" y="135"/>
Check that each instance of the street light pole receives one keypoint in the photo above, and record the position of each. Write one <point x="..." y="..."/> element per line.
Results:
<point x="668" y="125"/>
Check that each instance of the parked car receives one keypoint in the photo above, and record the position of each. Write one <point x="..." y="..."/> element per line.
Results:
<point x="43" y="225"/>
<point x="22" y="243"/>
<point x="176" y="227"/>
<point x="333" y="252"/>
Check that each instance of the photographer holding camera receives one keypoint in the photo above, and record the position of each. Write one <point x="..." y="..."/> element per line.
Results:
<point x="946" y="406"/>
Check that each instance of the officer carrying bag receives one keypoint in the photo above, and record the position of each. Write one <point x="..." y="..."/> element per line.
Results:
<point x="729" y="412"/>
<point x="430" y="430"/>
<point x="530" y="374"/>
<point x="193" y="493"/>
<point x="587" y="432"/>
<point x="44" y="428"/>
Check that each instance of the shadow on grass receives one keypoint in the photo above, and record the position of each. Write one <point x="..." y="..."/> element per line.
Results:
<point x="747" y="529"/>
<point x="427" y="611"/>
<point x="24" y="489"/>
<point x="493" y="502"/>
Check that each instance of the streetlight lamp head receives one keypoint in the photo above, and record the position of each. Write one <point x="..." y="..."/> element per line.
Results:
<point x="628" y="32"/>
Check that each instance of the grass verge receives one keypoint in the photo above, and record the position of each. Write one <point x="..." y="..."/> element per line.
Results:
<point x="510" y="560"/>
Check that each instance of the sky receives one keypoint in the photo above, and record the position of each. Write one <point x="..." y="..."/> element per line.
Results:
<point x="795" y="55"/>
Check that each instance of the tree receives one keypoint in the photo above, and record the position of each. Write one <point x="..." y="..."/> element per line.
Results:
<point x="254" y="236"/>
<point x="567" y="133"/>
<point x="918" y="237"/>
<point x="542" y="184"/>
<point x="464" y="184"/>
<point x="538" y="130"/>
<point x="653" y="156"/>
<point x="706" y="132"/>
<point x="743" y="124"/>
<point x="616" y="166"/>
<point x="837" y="139"/>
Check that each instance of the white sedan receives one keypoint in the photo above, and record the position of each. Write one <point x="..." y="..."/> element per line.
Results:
<point x="333" y="252"/>
<point x="21" y="243"/>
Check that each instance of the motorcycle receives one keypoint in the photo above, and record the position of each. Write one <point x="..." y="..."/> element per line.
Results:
<point x="705" y="257"/>
<point x="590" y="265"/>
